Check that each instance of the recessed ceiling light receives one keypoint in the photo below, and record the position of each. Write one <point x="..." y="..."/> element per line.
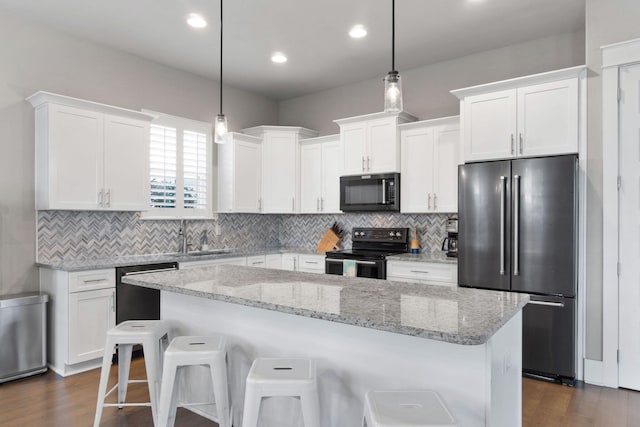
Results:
<point x="278" y="58"/>
<point x="196" y="20"/>
<point x="358" y="31"/>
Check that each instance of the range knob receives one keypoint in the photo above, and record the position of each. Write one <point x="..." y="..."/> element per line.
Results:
<point x="398" y="234"/>
<point x="391" y="234"/>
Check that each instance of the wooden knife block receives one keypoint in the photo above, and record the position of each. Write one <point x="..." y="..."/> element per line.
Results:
<point x="328" y="242"/>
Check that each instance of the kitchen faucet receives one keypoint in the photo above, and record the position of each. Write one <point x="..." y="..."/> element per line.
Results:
<point x="183" y="246"/>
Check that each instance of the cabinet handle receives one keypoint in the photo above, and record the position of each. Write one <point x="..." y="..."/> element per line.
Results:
<point x="420" y="271"/>
<point x="293" y="204"/>
<point x="100" y="198"/>
<point x="311" y="262"/>
<point x="86" y="282"/>
<point x="113" y="302"/>
<point x="512" y="144"/>
<point x="368" y="164"/>
<point x="429" y="201"/>
<point x="294" y="264"/>
<point x="259" y="205"/>
<point x="318" y="204"/>
<point x="321" y="204"/>
<point x="435" y="195"/>
<point x="520" y="143"/>
<point x="362" y="163"/>
<point x="257" y="262"/>
<point x="109" y="198"/>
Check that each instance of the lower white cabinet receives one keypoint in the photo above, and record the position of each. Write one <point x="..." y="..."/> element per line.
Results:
<point x="259" y="261"/>
<point x="429" y="273"/>
<point x="273" y="261"/>
<point x="81" y="311"/>
<point x="290" y="262"/>
<point x="311" y="263"/>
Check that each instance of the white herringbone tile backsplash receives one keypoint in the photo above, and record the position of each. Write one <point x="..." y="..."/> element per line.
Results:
<point x="85" y="235"/>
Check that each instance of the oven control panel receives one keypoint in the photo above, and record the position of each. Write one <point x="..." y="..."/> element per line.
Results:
<point x="380" y="235"/>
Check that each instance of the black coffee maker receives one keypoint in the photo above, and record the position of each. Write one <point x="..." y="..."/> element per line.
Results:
<point x="450" y="243"/>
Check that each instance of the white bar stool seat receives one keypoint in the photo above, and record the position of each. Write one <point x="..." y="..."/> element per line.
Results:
<point x="398" y="408"/>
<point x="193" y="351"/>
<point x="271" y="377"/>
<point x="152" y="334"/>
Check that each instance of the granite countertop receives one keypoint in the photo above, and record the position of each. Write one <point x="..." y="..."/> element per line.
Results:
<point x="439" y="257"/>
<point x="129" y="260"/>
<point x="455" y="315"/>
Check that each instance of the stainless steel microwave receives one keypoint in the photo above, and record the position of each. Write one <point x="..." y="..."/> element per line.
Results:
<point x="370" y="193"/>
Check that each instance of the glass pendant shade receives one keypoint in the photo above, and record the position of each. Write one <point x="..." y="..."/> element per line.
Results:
<point x="220" y="129"/>
<point x="392" y="93"/>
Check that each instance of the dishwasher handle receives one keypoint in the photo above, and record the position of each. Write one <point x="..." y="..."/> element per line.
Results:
<point x="134" y="273"/>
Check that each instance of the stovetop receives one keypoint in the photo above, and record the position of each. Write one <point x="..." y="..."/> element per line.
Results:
<point x="374" y="243"/>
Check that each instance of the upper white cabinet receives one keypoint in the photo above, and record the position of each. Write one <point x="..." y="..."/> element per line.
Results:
<point x="429" y="167"/>
<point x="280" y="166"/>
<point x="239" y="174"/>
<point x="320" y="170"/>
<point x="90" y="156"/>
<point x="529" y="116"/>
<point x="371" y="142"/>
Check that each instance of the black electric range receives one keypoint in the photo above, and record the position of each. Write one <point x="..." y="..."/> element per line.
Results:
<point x="370" y="249"/>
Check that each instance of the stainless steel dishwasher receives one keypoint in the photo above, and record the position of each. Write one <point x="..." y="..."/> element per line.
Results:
<point x="23" y="335"/>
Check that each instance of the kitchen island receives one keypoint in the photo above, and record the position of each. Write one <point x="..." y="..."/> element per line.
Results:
<point x="364" y="334"/>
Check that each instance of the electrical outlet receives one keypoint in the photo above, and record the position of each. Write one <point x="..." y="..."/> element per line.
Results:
<point x="217" y="229"/>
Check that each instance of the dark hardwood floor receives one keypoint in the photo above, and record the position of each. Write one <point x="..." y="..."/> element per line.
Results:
<point x="49" y="400"/>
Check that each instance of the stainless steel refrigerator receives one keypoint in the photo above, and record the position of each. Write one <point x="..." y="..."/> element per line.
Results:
<point x="518" y="232"/>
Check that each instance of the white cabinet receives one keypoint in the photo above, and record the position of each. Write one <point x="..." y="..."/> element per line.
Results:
<point x="371" y="142"/>
<point x="209" y="262"/>
<point x="429" y="166"/>
<point x="429" y="273"/>
<point x="239" y="174"/>
<point x="310" y="263"/>
<point x="90" y="156"/>
<point x="280" y="166"/>
<point x="290" y="262"/>
<point x="529" y="116"/>
<point x="81" y="311"/>
<point x="273" y="261"/>
<point x="320" y="170"/>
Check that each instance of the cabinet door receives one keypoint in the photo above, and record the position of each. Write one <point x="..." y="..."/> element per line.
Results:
<point x="126" y="164"/>
<point x="383" y="149"/>
<point x="290" y="262"/>
<point x="353" y="138"/>
<point x="445" y="168"/>
<point x="490" y="126"/>
<point x="310" y="177"/>
<point x="247" y="176"/>
<point x="331" y="171"/>
<point x="279" y="172"/>
<point x="91" y="315"/>
<point x="417" y="170"/>
<point x="274" y="261"/>
<point x="75" y="158"/>
<point x="548" y="118"/>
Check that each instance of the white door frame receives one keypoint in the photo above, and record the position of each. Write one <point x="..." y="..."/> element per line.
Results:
<point x="613" y="57"/>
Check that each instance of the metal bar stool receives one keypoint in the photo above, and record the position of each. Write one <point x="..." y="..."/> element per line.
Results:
<point x="193" y="351"/>
<point x="282" y="377"/>
<point x="398" y="408"/>
<point x="152" y="334"/>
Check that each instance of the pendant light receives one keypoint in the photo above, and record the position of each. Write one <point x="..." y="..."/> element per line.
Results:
<point x="220" y="127"/>
<point x="392" y="84"/>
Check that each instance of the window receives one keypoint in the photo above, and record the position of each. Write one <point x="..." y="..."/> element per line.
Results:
<point x="180" y="163"/>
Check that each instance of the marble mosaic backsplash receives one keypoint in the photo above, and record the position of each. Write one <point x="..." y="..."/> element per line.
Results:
<point x="65" y="235"/>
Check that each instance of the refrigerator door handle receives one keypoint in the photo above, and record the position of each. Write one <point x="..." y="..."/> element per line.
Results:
<point x="516" y="225"/>
<point x="503" y="191"/>
<point x="547" y="303"/>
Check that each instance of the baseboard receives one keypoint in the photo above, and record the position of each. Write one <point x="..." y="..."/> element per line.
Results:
<point x="593" y="372"/>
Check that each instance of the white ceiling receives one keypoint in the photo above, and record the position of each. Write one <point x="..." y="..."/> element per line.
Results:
<point x="313" y="34"/>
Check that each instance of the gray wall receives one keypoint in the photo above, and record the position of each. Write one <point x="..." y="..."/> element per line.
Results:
<point x="607" y="22"/>
<point x="37" y="58"/>
<point x="426" y="89"/>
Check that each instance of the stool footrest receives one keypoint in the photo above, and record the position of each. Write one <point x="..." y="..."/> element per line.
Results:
<point x="120" y="405"/>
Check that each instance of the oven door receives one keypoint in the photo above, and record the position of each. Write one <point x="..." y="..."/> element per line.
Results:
<point x="364" y="268"/>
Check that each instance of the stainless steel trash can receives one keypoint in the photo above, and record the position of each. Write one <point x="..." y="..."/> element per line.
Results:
<point x="23" y="335"/>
